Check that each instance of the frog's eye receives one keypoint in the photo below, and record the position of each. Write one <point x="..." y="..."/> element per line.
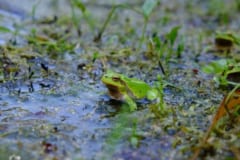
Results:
<point x="115" y="79"/>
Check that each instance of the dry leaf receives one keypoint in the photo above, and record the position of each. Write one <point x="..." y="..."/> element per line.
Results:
<point x="229" y="103"/>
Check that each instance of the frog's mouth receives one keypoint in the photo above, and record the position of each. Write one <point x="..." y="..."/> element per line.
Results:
<point x="114" y="92"/>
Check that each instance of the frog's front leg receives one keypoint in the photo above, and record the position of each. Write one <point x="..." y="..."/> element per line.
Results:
<point x="132" y="104"/>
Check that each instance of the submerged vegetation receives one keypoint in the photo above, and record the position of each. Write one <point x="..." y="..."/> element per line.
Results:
<point x="120" y="80"/>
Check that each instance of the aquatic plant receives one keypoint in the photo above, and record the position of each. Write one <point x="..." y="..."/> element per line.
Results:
<point x="167" y="48"/>
<point x="225" y="71"/>
<point x="145" y="11"/>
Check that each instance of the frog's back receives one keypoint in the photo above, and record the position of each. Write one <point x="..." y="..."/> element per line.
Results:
<point x="138" y="88"/>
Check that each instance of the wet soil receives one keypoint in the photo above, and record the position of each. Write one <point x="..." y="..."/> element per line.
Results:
<point x="53" y="104"/>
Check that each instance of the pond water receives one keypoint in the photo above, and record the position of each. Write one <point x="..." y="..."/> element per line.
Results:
<point x="53" y="104"/>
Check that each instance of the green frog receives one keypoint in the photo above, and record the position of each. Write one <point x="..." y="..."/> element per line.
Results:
<point x="127" y="89"/>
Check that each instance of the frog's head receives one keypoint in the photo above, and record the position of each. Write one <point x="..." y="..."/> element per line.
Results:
<point x="114" y="83"/>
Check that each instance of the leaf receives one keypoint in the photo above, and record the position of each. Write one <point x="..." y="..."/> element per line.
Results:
<point x="79" y="5"/>
<point x="172" y="35"/>
<point x="229" y="103"/>
<point x="221" y="65"/>
<point x="4" y="29"/>
<point x="95" y="56"/>
<point x="208" y="69"/>
<point x="148" y="7"/>
<point x="216" y="67"/>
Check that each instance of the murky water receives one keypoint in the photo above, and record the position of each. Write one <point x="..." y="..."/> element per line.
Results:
<point x="54" y="106"/>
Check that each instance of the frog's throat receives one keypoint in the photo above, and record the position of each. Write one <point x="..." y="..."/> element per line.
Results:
<point x="114" y="92"/>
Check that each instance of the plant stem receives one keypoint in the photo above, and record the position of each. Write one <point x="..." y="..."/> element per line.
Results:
<point x="143" y="32"/>
<point x="110" y="14"/>
<point x="74" y="18"/>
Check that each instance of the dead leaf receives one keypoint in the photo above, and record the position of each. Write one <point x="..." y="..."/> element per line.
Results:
<point x="228" y="104"/>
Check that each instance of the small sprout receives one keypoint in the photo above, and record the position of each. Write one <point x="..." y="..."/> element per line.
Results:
<point x="225" y="71"/>
<point x="172" y="35"/>
<point x="4" y="29"/>
<point x="79" y="5"/>
<point x="168" y="47"/>
<point x="180" y="49"/>
<point x="216" y="67"/>
<point x="148" y="7"/>
<point x="95" y="56"/>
